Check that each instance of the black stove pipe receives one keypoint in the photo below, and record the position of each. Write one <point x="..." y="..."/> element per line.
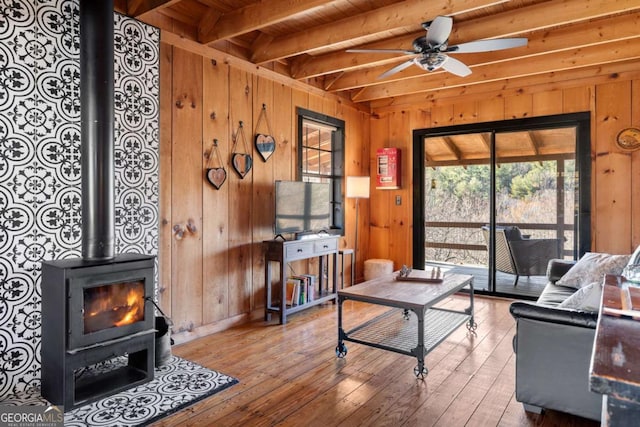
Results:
<point x="97" y="117"/>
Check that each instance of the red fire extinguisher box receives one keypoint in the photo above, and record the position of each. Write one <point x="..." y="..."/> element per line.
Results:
<point x="388" y="168"/>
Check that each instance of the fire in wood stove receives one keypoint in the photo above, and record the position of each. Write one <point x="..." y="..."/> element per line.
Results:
<point x="113" y="305"/>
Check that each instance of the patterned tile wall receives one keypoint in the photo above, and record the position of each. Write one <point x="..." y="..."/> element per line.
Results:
<point x="40" y="161"/>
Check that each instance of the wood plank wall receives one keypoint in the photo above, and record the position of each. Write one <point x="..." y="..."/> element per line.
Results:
<point x="213" y="277"/>
<point x="614" y="105"/>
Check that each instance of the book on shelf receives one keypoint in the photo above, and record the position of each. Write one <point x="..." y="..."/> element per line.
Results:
<point x="303" y="293"/>
<point x="292" y="292"/>
<point x="300" y="289"/>
<point x="311" y="286"/>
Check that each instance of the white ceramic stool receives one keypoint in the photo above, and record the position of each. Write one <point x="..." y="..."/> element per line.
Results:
<point x="377" y="267"/>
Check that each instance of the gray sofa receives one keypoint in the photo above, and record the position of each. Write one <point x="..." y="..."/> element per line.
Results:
<point x="553" y="348"/>
<point x="553" y="351"/>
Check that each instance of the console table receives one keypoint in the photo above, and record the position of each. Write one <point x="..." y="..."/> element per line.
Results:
<point x="286" y="251"/>
<point x="615" y="363"/>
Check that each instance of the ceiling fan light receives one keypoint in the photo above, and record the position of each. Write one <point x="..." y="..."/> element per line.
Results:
<point x="430" y="62"/>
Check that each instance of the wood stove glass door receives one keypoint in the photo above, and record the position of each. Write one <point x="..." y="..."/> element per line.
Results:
<point x="108" y="306"/>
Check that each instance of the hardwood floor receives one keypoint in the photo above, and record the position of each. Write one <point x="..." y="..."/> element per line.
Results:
<point x="290" y="376"/>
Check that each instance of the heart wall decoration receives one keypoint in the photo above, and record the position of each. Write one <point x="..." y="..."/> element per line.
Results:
<point x="241" y="161"/>
<point x="216" y="175"/>
<point x="265" y="143"/>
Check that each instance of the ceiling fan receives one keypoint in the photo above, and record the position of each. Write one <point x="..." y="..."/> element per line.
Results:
<point x="432" y="49"/>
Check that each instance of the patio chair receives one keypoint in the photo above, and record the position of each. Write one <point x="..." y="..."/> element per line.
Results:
<point x="520" y="255"/>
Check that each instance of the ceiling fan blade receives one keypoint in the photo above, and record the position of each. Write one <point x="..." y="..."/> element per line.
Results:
<point x="456" y="67"/>
<point x="439" y="30"/>
<point x="396" y="69"/>
<point x="406" y="52"/>
<point x="488" y="45"/>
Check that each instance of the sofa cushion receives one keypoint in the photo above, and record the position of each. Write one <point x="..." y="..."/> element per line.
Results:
<point x="591" y="268"/>
<point x="586" y="298"/>
<point x="554" y="295"/>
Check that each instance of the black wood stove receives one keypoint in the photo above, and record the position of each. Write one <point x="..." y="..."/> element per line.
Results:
<point x="93" y="312"/>
<point x="96" y="310"/>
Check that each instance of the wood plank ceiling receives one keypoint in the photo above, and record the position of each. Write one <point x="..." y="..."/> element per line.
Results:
<point x="306" y="40"/>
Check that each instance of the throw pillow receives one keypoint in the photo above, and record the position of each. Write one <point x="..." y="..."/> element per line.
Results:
<point x="635" y="257"/>
<point x="591" y="268"/>
<point x="586" y="298"/>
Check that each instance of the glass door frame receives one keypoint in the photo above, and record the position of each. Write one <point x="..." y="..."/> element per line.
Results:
<point x="582" y="220"/>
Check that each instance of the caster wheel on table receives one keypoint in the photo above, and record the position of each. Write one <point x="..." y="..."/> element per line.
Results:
<point x="472" y="326"/>
<point x="341" y="350"/>
<point x="420" y="373"/>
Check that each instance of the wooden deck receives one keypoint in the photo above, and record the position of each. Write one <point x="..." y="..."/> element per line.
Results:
<point x="527" y="287"/>
<point x="289" y="375"/>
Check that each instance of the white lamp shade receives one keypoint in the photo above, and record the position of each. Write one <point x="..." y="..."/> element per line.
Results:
<point x="358" y="187"/>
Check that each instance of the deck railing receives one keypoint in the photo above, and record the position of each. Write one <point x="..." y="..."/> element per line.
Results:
<point x="463" y="243"/>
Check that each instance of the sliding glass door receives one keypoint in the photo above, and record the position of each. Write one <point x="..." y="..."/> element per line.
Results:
<point x="498" y="200"/>
<point x="456" y="202"/>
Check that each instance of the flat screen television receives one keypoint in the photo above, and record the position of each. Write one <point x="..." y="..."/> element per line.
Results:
<point x="302" y="207"/>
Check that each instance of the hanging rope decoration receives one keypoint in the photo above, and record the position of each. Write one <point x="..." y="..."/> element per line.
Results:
<point x="265" y="143"/>
<point x="216" y="175"/>
<point x="241" y="161"/>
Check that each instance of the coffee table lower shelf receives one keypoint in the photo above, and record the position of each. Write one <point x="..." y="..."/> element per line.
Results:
<point x="395" y="330"/>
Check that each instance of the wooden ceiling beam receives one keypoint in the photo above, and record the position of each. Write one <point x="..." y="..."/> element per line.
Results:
<point x="408" y="14"/>
<point x="500" y="160"/>
<point x="486" y="142"/>
<point x="540" y="15"/>
<point x="182" y="16"/>
<point x="307" y="66"/>
<point x="136" y="8"/>
<point x="253" y="17"/>
<point x="599" y="74"/>
<point x="427" y="159"/>
<point x="533" y="142"/>
<point x="515" y="22"/>
<point x="207" y="23"/>
<point x="540" y="43"/>
<point x="554" y="62"/>
<point x="452" y="147"/>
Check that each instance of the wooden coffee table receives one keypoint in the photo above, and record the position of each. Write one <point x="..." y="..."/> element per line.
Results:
<point x="413" y="327"/>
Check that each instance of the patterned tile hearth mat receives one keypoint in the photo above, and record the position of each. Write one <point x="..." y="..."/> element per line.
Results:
<point x="175" y="386"/>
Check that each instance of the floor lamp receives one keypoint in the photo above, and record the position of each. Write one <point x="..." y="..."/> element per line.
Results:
<point x="357" y="188"/>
